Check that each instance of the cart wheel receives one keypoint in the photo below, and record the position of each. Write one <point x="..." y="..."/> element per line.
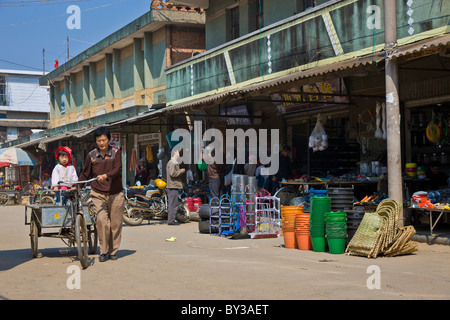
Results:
<point x="183" y="212"/>
<point x="286" y="194"/>
<point x="132" y="217"/>
<point x="82" y="240"/>
<point x="93" y="239"/>
<point x="34" y="235"/>
<point x="3" y="198"/>
<point x="18" y="199"/>
<point x="47" y="200"/>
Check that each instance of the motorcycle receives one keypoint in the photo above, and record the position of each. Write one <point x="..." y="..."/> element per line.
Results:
<point x="150" y="202"/>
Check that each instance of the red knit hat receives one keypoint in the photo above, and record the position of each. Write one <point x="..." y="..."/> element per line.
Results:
<point x="66" y="150"/>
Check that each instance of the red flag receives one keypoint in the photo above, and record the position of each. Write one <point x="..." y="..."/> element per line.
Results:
<point x="56" y="64"/>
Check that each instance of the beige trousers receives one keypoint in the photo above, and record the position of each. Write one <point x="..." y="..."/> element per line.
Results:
<point x="109" y="212"/>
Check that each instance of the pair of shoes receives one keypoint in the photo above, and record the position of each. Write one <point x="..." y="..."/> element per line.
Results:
<point x="103" y="257"/>
<point x="113" y="257"/>
<point x="174" y="223"/>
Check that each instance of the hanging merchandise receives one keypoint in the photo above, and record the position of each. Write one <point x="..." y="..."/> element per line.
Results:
<point x="161" y="153"/>
<point x="318" y="140"/>
<point x="378" y="131"/>
<point x="133" y="160"/>
<point x="435" y="128"/>
<point x="433" y="132"/>
<point x="149" y="153"/>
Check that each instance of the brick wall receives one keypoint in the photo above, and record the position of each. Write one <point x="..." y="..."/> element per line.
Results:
<point x="183" y="43"/>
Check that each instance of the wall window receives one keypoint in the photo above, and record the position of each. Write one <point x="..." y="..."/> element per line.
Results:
<point x="308" y="4"/>
<point x="11" y="134"/>
<point x="3" y="100"/>
<point x="259" y="8"/>
<point x="234" y="17"/>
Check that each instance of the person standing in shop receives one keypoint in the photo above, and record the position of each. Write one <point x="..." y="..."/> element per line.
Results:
<point x="285" y="169"/>
<point x="105" y="163"/>
<point x="216" y="175"/>
<point x="174" y="183"/>
<point x="142" y="173"/>
<point x="438" y="179"/>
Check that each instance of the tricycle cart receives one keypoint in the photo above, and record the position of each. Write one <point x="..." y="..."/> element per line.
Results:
<point x="74" y="224"/>
<point x="7" y="195"/>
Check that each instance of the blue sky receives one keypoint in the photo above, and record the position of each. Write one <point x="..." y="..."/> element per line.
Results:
<point x="36" y="24"/>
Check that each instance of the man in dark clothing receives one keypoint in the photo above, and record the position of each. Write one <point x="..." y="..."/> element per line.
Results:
<point x="437" y="177"/>
<point x="105" y="163"/>
<point x="174" y="183"/>
<point x="284" y="169"/>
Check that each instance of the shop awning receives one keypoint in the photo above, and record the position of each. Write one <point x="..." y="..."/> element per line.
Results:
<point x="424" y="47"/>
<point x="24" y="123"/>
<point x="86" y="130"/>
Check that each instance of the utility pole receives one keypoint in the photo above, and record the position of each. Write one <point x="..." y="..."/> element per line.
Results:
<point x="68" y="48"/>
<point x="392" y="106"/>
<point x="43" y="61"/>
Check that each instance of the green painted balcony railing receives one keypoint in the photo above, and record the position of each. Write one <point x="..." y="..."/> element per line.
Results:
<point x="330" y="33"/>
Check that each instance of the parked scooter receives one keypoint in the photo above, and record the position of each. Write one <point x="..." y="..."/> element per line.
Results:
<point x="150" y="202"/>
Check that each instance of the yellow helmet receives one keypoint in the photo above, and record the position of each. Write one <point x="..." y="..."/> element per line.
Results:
<point x="161" y="184"/>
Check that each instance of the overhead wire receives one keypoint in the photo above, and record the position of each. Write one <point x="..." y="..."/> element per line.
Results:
<point x="30" y="3"/>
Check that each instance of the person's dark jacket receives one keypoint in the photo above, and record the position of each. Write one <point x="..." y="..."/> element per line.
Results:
<point x="284" y="169"/>
<point x="111" y="165"/>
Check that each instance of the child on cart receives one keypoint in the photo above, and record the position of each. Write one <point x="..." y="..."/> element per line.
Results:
<point x="63" y="171"/>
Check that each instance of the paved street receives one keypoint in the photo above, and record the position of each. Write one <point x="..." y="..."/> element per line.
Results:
<point x="202" y="267"/>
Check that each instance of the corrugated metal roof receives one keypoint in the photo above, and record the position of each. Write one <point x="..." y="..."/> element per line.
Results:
<point x="24" y="123"/>
<point x="431" y="45"/>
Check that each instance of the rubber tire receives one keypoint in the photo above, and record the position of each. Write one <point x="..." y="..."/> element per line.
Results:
<point x="204" y="211"/>
<point x="82" y="240"/>
<point x="92" y="239"/>
<point x="34" y="235"/>
<point x="4" y="198"/>
<point x="203" y="226"/>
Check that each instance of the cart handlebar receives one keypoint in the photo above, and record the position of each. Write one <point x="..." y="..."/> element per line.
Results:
<point x="76" y="182"/>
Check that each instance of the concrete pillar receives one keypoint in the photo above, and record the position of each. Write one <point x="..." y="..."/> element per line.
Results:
<point x="64" y="109"/>
<point x="71" y="107"/>
<point x="86" y="79"/>
<point x="116" y="74"/>
<point x="148" y="58"/>
<point x="393" y="107"/>
<point x="138" y="64"/>
<point x="92" y="83"/>
<point x="109" y="87"/>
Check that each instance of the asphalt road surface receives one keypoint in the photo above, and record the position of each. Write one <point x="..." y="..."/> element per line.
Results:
<point x="204" y="267"/>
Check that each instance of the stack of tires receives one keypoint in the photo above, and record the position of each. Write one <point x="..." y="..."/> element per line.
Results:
<point x="204" y="218"/>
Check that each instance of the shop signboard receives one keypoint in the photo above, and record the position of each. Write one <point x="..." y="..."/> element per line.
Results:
<point x="150" y="138"/>
<point x="115" y="140"/>
<point x="241" y="111"/>
<point x="63" y="103"/>
<point x="311" y="96"/>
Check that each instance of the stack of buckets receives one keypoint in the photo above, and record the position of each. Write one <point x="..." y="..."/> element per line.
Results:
<point x="319" y="206"/>
<point x="193" y="203"/>
<point x="336" y="231"/>
<point x="302" y="231"/>
<point x="295" y="228"/>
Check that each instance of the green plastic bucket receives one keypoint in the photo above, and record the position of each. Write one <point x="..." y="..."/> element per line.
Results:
<point x="318" y="244"/>
<point x="336" y="245"/>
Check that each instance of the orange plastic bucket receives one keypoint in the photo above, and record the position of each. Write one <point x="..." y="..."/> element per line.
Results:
<point x="290" y="240"/>
<point x="304" y="241"/>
